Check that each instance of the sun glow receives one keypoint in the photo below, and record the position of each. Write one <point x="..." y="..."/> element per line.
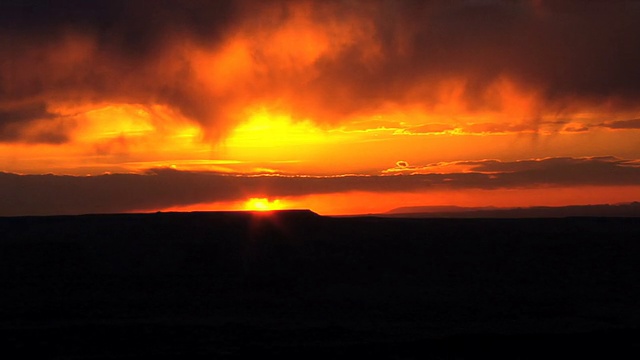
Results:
<point x="263" y="204"/>
<point x="265" y="130"/>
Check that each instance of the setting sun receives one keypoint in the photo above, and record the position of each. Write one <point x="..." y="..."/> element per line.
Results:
<point x="262" y="204"/>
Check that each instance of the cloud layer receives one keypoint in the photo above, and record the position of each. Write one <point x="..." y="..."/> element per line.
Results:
<point x="164" y="188"/>
<point x="210" y="61"/>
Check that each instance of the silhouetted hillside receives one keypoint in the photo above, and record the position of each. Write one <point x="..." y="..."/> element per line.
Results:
<point x="294" y="284"/>
<point x="436" y="209"/>
<point x="604" y="210"/>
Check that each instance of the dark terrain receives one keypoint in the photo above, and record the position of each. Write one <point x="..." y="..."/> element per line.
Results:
<point x="294" y="284"/>
<point x="600" y="210"/>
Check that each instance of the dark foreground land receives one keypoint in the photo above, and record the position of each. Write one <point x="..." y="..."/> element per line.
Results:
<point x="294" y="284"/>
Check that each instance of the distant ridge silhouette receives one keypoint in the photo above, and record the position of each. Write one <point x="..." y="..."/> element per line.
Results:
<point x="288" y="213"/>
<point x="600" y="210"/>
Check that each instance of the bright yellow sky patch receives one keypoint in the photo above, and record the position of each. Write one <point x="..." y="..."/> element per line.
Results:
<point x="263" y="204"/>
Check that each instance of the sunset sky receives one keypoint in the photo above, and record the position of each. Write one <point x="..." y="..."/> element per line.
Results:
<point x="343" y="107"/>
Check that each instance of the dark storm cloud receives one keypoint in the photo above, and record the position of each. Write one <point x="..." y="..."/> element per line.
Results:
<point x="162" y="188"/>
<point x="567" y="53"/>
<point x="584" y="50"/>
<point x="77" y="52"/>
<point x="127" y="26"/>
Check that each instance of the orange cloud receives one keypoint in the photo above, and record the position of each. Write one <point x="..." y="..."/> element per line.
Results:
<point x="327" y="61"/>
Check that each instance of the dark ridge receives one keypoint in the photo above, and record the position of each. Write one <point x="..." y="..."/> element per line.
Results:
<point x="436" y="209"/>
<point x="241" y="341"/>
<point x="289" y="213"/>
<point x="290" y="284"/>
<point x="603" y="210"/>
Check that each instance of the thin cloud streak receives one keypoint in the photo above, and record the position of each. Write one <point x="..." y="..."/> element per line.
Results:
<point x="164" y="188"/>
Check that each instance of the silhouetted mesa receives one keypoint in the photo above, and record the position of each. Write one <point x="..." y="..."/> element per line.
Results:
<point x="292" y="283"/>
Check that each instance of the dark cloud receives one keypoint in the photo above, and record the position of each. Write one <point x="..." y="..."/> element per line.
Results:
<point x="133" y="27"/>
<point x="555" y="163"/>
<point x="575" y="129"/>
<point x="24" y="113"/>
<point x="584" y="50"/>
<point x="622" y="124"/>
<point x="567" y="54"/>
<point x="162" y="188"/>
<point x="29" y="123"/>
<point x="78" y="52"/>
